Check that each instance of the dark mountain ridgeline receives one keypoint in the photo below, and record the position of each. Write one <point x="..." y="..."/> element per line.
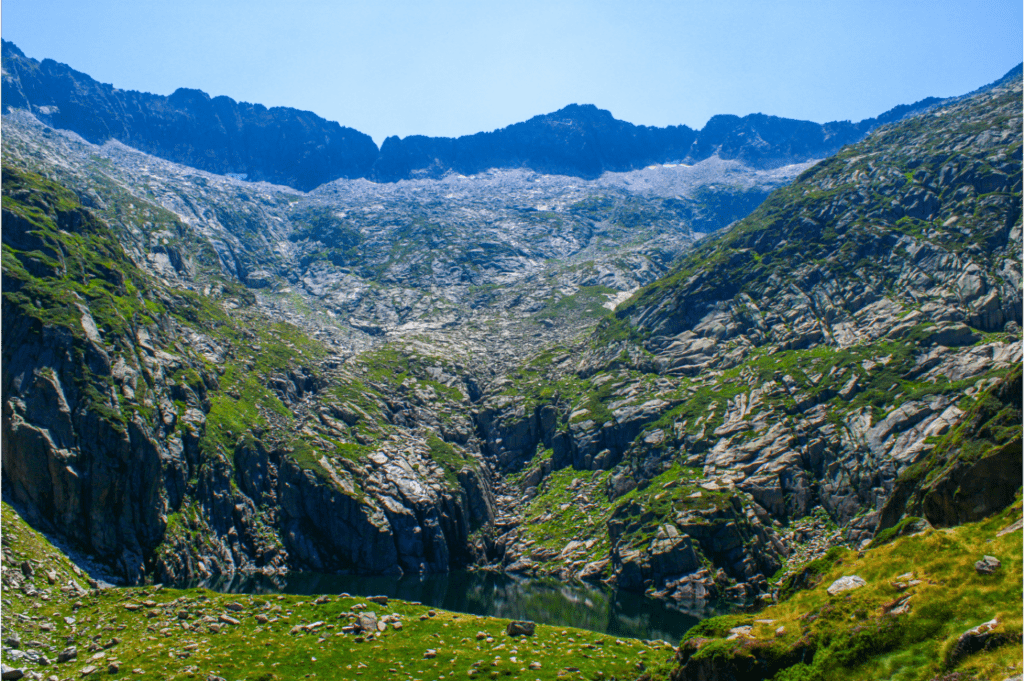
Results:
<point x="280" y="145"/>
<point x="301" y="150"/>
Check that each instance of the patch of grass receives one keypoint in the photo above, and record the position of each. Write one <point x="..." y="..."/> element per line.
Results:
<point x="283" y="637"/>
<point x="853" y="636"/>
<point x="450" y="459"/>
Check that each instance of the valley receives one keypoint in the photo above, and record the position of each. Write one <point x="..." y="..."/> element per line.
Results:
<point x="709" y="380"/>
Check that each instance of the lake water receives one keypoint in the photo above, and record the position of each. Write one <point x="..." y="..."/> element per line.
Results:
<point x="547" y="601"/>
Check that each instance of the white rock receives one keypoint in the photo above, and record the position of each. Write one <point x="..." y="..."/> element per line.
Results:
<point x="846" y="584"/>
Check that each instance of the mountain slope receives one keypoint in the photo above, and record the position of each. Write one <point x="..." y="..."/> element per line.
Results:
<point x="175" y="433"/>
<point x="792" y="369"/>
<point x="192" y="410"/>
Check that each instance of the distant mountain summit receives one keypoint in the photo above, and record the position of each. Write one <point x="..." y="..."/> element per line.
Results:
<point x="585" y="141"/>
<point x="301" y="150"/>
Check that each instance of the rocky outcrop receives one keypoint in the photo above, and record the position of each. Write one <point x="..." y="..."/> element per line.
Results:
<point x="973" y="472"/>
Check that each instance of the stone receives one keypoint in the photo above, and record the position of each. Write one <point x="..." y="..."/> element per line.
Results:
<point x="846" y="583"/>
<point x="981" y="637"/>
<point x="228" y="619"/>
<point x="737" y="632"/>
<point x="516" y="628"/>
<point x="87" y="670"/>
<point x="430" y="654"/>
<point x="379" y="600"/>
<point x="234" y="607"/>
<point x="1012" y="527"/>
<point x="367" y="622"/>
<point x="987" y="565"/>
<point x="11" y="673"/>
<point x="68" y="654"/>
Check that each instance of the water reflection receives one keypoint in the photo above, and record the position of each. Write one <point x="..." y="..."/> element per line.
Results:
<point x="548" y="601"/>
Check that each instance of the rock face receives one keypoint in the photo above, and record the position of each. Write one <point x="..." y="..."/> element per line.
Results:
<point x="279" y="145"/>
<point x="126" y="431"/>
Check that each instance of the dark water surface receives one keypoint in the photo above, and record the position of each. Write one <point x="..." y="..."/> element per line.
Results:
<point x="546" y="601"/>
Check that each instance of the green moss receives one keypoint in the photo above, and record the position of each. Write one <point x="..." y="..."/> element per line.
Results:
<point x="448" y="458"/>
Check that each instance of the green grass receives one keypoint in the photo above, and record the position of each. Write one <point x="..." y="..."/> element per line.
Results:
<point x="450" y="459"/>
<point x="285" y="646"/>
<point x="852" y="636"/>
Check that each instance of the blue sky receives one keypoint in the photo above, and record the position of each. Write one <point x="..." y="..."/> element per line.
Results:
<point x="454" y="68"/>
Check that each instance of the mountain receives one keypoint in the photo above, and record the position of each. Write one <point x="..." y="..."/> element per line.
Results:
<point x="280" y="145"/>
<point x="300" y="150"/>
<point x="658" y="379"/>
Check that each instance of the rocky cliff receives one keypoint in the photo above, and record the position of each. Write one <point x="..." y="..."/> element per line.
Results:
<point x="176" y="434"/>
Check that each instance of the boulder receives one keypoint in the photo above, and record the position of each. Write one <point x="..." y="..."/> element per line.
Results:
<point x="987" y="565"/>
<point x="367" y="622"/>
<point x="846" y="583"/>
<point x="520" y="628"/>
<point x="981" y="637"/>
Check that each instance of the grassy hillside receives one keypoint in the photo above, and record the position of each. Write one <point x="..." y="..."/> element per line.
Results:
<point x="921" y="594"/>
<point x="198" y="634"/>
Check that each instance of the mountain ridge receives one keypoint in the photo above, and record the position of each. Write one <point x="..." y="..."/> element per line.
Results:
<point x="221" y="135"/>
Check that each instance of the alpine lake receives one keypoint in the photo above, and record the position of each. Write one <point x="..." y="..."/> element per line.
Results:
<point x="494" y="594"/>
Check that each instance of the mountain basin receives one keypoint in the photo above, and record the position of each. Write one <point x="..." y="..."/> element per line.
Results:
<point x="485" y="593"/>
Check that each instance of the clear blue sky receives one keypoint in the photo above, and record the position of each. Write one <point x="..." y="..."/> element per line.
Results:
<point x="459" y="67"/>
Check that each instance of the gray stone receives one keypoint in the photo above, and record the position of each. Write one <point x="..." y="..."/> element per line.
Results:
<point x="846" y="583"/>
<point x="516" y="628"/>
<point x="987" y="565"/>
<point x="367" y="622"/>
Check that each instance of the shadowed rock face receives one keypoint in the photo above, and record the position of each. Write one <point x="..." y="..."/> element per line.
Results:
<point x="280" y="145"/>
